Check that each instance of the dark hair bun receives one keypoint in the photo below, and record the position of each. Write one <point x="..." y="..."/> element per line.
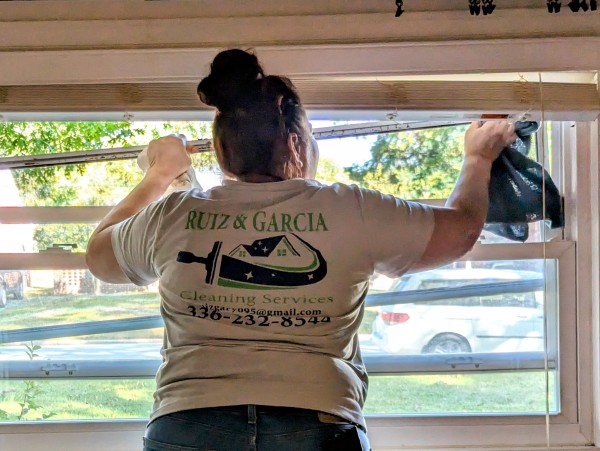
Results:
<point x="232" y="76"/>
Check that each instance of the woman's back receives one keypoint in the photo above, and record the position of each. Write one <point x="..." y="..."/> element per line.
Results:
<point x="267" y="281"/>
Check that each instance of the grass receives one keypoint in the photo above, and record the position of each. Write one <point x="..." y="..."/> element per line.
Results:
<point x="83" y="399"/>
<point x="403" y="395"/>
<point x="43" y="310"/>
<point x="40" y="309"/>
<point x="507" y="392"/>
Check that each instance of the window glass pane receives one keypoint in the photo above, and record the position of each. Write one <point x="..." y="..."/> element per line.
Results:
<point x="68" y="237"/>
<point x="474" y="393"/>
<point x="42" y="138"/>
<point x="452" y="321"/>
<point x="439" y="394"/>
<point x="86" y="184"/>
<point x="83" y="184"/>
<point x="420" y="164"/>
<point x="503" y="320"/>
<point x="480" y="307"/>
<point x="76" y="399"/>
<point x="58" y="297"/>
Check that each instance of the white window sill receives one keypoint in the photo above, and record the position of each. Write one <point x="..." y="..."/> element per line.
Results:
<point x="386" y="434"/>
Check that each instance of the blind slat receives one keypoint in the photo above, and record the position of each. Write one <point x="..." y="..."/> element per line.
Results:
<point x="323" y="94"/>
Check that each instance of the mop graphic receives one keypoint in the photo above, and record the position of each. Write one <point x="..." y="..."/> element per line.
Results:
<point x="267" y="264"/>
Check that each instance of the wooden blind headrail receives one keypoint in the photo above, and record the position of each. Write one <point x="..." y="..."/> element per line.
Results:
<point x="317" y="94"/>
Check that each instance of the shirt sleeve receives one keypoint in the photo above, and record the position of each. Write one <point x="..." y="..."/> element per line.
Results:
<point x="397" y="231"/>
<point x="133" y="244"/>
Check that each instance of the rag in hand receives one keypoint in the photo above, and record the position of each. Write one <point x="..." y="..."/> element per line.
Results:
<point x="184" y="182"/>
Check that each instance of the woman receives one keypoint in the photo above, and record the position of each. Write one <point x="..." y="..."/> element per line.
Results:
<point x="262" y="280"/>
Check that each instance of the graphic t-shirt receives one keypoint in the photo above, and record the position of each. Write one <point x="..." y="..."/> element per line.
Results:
<point x="262" y="288"/>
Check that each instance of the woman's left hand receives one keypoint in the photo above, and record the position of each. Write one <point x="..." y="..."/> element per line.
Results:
<point x="168" y="158"/>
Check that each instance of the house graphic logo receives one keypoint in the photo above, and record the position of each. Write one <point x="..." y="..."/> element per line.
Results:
<point x="283" y="261"/>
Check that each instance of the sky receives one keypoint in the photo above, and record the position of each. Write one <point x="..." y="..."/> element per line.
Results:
<point x="344" y="151"/>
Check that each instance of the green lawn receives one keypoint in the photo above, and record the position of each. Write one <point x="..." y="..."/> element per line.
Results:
<point x="405" y="395"/>
<point x="40" y="309"/>
<point x="460" y="393"/>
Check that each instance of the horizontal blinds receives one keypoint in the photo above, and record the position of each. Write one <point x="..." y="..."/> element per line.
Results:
<point x="564" y="99"/>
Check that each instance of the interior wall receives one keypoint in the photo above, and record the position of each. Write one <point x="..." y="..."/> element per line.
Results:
<point x="135" y="24"/>
<point x="114" y="41"/>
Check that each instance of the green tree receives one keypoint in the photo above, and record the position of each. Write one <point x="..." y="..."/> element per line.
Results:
<point x="49" y="186"/>
<point x="421" y="164"/>
<point x="100" y="183"/>
<point x="329" y="172"/>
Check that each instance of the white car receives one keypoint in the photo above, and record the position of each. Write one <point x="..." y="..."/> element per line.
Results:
<point x="500" y="322"/>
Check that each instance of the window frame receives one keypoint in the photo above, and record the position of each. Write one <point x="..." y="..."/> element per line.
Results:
<point x="563" y="251"/>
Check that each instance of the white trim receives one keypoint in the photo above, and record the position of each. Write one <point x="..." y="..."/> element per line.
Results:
<point x="595" y="274"/>
<point x="53" y="215"/>
<point x="113" y="436"/>
<point x="584" y="306"/>
<point x="385" y="434"/>
<point x="312" y="25"/>
<point x="380" y="59"/>
<point x="376" y="365"/>
<point x="117" y="9"/>
<point x="43" y="260"/>
<point x="521" y="251"/>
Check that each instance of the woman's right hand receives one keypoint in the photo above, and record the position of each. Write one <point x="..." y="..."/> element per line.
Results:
<point x="169" y="157"/>
<point x="458" y="225"/>
<point x="486" y="140"/>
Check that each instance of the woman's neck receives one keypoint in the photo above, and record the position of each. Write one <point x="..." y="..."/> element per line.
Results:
<point x="259" y="178"/>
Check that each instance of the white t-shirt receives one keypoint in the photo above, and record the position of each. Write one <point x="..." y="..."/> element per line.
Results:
<point x="262" y="288"/>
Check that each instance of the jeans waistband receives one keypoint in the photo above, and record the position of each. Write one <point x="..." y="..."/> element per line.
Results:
<point x="253" y="410"/>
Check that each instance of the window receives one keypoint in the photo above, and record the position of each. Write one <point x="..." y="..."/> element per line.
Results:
<point x="81" y="327"/>
<point x="87" y="330"/>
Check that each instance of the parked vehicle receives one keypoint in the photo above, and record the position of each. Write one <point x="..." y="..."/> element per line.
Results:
<point x="501" y="322"/>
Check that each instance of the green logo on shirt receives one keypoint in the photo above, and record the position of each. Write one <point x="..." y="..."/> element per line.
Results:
<point x="268" y="263"/>
<point x="260" y="221"/>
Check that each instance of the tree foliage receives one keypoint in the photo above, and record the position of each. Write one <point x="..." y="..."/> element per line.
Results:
<point x="100" y="183"/>
<point x="52" y="186"/>
<point x="420" y="164"/>
<point x="329" y="172"/>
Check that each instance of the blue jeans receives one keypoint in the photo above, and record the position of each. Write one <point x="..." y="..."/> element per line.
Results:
<point x="252" y="428"/>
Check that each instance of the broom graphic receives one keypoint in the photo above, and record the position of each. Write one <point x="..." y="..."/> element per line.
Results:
<point x="237" y="273"/>
<point x="210" y="261"/>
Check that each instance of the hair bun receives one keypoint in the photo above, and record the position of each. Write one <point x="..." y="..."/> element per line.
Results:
<point x="232" y="74"/>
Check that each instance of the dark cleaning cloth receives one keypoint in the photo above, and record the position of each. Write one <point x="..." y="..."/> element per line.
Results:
<point x="516" y="190"/>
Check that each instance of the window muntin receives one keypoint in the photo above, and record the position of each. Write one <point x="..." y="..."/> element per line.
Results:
<point x="396" y="366"/>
